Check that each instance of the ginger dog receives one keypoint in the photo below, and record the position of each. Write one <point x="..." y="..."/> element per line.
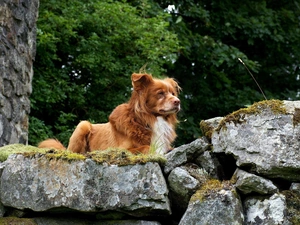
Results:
<point x="147" y="119"/>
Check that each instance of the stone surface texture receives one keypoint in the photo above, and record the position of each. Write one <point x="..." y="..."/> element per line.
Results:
<point x="266" y="143"/>
<point x="40" y="185"/>
<point x="268" y="211"/>
<point x="248" y="183"/>
<point x="224" y="207"/>
<point x="264" y="189"/>
<point x="17" y="51"/>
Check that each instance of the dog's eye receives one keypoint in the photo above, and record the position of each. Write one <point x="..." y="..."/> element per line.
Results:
<point x="161" y="94"/>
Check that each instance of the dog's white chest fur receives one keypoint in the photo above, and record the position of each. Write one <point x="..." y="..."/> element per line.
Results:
<point x="161" y="136"/>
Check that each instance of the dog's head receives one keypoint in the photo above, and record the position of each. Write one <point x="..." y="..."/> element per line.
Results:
<point x="156" y="96"/>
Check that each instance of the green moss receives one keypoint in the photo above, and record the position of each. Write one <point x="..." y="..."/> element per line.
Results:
<point x="206" y="129"/>
<point x="293" y="206"/>
<point x="55" y="154"/>
<point x="238" y="117"/>
<point x="18" y="148"/>
<point x="234" y="178"/>
<point x="123" y="157"/>
<point x="109" y="156"/>
<point x="211" y="187"/>
<point x="14" y="220"/>
<point x="64" y="155"/>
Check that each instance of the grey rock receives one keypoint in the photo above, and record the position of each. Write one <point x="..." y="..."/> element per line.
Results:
<point x="183" y="183"/>
<point x="221" y="207"/>
<point x="248" y="183"/>
<point x="40" y="184"/>
<point x="267" y="142"/>
<point x="185" y="153"/>
<point x="211" y="164"/>
<point x="209" y="125"/>
<point x="295" y="187"/>
<point x="267" y="211"/>
<point x="2" y="210"/>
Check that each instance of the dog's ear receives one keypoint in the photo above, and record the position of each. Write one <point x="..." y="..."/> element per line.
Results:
<point x="139" y="81"/>
<point x="174" y="84"/>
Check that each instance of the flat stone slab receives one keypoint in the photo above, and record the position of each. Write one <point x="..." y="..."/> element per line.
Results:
<point x="42" y="184"/>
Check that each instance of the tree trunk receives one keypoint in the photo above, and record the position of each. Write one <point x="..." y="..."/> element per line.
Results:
<point x="17" y="52"/>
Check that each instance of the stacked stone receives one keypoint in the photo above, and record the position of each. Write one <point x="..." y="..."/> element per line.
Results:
<point x="17" y="51"/>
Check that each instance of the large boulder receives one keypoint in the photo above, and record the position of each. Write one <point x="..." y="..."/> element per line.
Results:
<point x="215" y="203"/>
<point x="40" y="183"/>
<point x="263" y="138"/>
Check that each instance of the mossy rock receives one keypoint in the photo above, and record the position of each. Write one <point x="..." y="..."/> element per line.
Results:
<point x="112" y="156"/>
<point x="238" y="117"/>
<point x="123" y="157"/>
<point x="18" y="148"/>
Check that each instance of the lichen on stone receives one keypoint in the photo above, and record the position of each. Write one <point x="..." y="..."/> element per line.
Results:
<point x="238" y="117"/>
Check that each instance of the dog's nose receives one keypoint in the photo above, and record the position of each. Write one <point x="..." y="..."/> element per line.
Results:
<point x="176" y="102"/>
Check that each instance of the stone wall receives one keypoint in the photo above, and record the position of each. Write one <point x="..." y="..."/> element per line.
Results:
<point x="17" y="52"/>
<point x="245" y="171"/>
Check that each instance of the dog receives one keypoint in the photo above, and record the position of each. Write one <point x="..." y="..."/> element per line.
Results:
<point x="147" y="121"/>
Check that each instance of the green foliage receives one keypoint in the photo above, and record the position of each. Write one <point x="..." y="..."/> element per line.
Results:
<point x="214" y="34"/>
<point x="87" y="51"/>
<point x="38" y="131"/>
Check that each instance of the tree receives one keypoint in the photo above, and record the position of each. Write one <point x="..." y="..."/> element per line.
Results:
<point x="86" y="53"/>
<point x="88" y="50"/>
<point x="214" y="34"/>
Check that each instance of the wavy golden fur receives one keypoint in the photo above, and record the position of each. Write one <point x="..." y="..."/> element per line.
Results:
<point x="148" y="118"/>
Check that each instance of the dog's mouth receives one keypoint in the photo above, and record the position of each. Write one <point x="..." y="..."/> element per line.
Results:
<point x="169" y="111"/>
